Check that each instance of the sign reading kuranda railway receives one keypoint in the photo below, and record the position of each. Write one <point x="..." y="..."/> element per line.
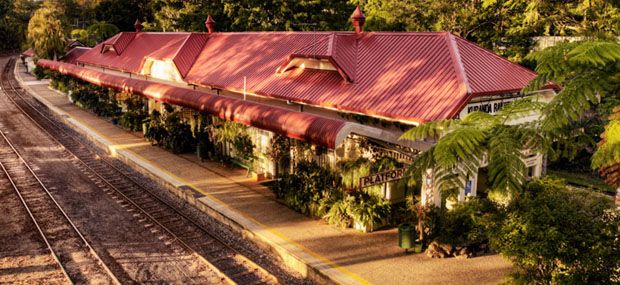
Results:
<point x="382" y="177"/>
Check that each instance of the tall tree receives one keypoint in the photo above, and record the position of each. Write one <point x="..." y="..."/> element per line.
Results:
<point x="123" y="13"/>
<point x="46" y="32"/>
<point x="14" y="16"/>
<point x="289" y="15"/>
<point x="589" y="73"/>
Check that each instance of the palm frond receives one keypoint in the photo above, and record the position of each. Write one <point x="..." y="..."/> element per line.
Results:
<point x="481" y="119"/>
<point x="518" y="109"/>
<point x="574" y="100"/>
<point x="595" y="53"/>
<point x="506" y="166"/>
<point x="433" y="129"/>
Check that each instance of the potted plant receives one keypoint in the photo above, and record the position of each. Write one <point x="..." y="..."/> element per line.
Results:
<point x="369" y="212"/>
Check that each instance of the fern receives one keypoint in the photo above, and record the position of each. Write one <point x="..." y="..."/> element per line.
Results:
<point x="574" y="100"/>
<point x="429" y="130"/>
<point x="506" y="167"/>
<point x="595" y="53"/>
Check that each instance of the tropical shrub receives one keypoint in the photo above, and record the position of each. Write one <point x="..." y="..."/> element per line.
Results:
<point x="155" y="130"/>
<point x="40" y="73"/>
<point x="369" y="210"/>
<point x="179" y="138"/>
<point x="467" y="223"/>
<point x="340" y="214"/>
<point x="280" y="153"/>
<point x="558" y="235"/>
<point x="135" y="114"/>
<point x="309" y="189"/>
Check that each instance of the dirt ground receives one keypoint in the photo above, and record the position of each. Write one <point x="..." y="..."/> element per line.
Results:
<point x="136" y="253"/>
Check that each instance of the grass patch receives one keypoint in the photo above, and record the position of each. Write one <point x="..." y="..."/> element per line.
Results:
<point x="583" y="181"/>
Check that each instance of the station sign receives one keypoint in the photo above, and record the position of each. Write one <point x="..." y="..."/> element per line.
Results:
<point x="491" y="106"/>
<point x="382" y="177"/>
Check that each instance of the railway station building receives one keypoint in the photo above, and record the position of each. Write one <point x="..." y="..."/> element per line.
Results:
<point x="347" y="94"/>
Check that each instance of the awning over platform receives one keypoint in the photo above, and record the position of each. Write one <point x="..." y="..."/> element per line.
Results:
<point x="303" y="126"/>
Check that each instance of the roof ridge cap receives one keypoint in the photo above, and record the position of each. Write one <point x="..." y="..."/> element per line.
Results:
<point x="457" y="62"/>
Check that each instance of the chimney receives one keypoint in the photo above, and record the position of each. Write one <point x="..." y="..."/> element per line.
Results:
<point x="358" y="20"/>
<point x="138" y="25"/>
<point x="210" y="24"/>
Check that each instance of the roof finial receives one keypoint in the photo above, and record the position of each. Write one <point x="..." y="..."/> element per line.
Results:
<point x="358" y="20"/>
<point x="210" y="24"/>
<point x="138" y="25"/>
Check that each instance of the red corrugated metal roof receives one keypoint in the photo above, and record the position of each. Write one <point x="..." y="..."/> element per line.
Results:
<point x="340" y="50"/>
<point x="120" y="41"/>
<point x="414" y="77"/>
<point x="304" y="126"/>
<point x="141" y="47"/>
<point x="488" y="73"/>
<point x="73" y="55"/>
<point x="186" y="54"/>
<point x="28" y="53"/>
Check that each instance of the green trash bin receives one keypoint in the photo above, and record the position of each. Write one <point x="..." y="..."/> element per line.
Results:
<point x="405" y="236"/>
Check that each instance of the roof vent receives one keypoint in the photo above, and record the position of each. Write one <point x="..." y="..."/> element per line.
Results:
<point x="210" y="24"/>
<point x="358" y="20"/>
<point x="138" y="25"/>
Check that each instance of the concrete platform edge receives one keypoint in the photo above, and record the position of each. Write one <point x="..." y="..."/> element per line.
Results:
<point x="309" y="264"/>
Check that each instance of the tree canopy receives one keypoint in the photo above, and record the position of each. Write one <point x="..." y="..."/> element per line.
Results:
<point x="46" y="32"/>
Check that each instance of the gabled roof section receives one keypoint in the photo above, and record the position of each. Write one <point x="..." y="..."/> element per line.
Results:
<point x="28" y="53"/>
<point x="188" y="52"/>
<point x="73" y="55"/>
<point x="339" y="49"/>
<point x="119" y="42"/>
<point x="142" y="46"/>
<point x="488" y="73"/>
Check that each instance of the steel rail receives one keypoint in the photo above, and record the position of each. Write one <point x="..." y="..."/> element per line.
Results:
<point x="36" y="223"/>
<point x="265" y="275"/>
<point x="59" y="208"/>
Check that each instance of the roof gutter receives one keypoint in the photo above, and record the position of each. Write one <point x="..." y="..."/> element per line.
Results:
<point x="314" y="129"/>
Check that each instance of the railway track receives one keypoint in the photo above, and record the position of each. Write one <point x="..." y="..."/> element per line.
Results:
<point x="73" y="253"/>
<point x="165" y="220"/>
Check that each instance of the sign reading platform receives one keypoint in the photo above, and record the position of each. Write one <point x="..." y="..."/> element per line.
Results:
<point x="382" y="177"/>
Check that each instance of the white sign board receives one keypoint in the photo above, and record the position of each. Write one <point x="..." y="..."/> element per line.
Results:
<point x="490" y="106"/>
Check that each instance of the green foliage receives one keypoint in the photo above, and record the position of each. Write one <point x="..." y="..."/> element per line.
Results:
<point x="135" y="114"/>
<point x="557" y="235"/>
<point x="339" y="213"/>
<point x="40" y="73"/>
<point x="179" y="137"/>
<point x="467" y="223"/>
<point x="244" y="147"/>
<point x="280" y="153"/>
<point x="99" y="32"/>
<point x="589" y="73"/>
<point x="235" y="134"/>
<point x="14" y="16"/>
<point x="352" y="170"/>
<point x="462" y="145"/>
<point x="609" y="152"/>
<point x="155" y="130"/>
<point x="46" y="32"/>
<point x="123" y="13"/>
<point x="308" y="189"/>
<point x="80" y="35"/>
<point x="288" y="15"/>
<point x="369" y="209"/>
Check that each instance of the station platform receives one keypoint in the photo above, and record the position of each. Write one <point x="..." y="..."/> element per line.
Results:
<point x="321" y="252"/>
